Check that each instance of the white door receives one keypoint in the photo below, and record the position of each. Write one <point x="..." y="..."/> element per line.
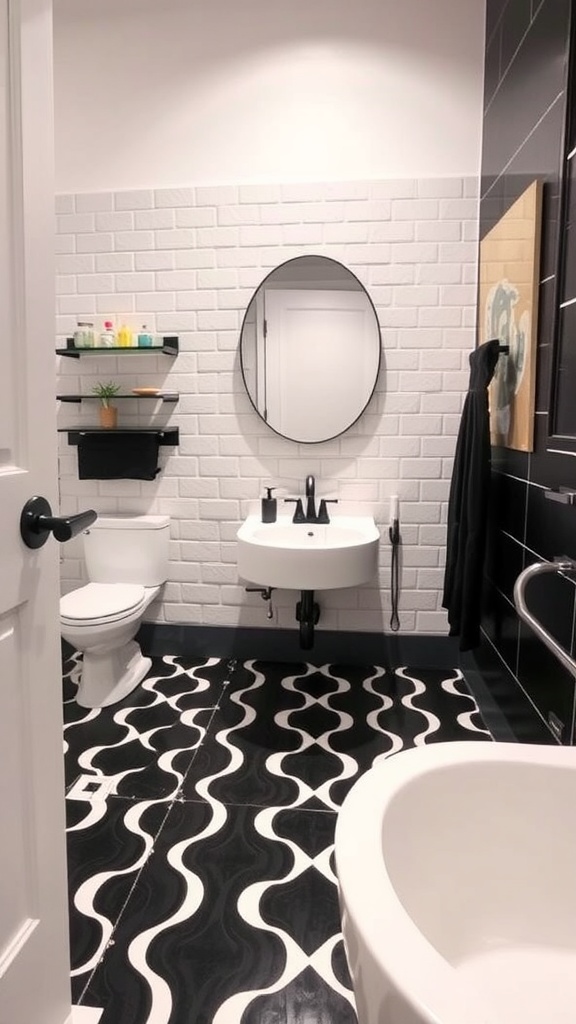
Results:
<point x="322" y="352"/>
<point x="34" y="986"/>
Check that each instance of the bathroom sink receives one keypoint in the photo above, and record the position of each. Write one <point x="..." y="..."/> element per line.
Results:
<point x="308" y="556"/>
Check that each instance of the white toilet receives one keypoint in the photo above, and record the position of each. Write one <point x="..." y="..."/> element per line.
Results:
<point x="126" y="563"/>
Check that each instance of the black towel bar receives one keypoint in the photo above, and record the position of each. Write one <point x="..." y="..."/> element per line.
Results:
<point x="170" y="436"/>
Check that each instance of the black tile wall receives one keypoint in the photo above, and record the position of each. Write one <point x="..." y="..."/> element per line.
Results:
<point x="527" y="45"/>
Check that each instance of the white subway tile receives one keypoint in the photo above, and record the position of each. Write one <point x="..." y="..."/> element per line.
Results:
<point x="416" y="295"/>
<point x="243" y="213"/>
<point x="72" y="223"/>
<point x="196" y="300"/>
<point x="65" y="244"/>
<point x="348" y="233"/>
<point x="457" y="252"/>
<point x="442" y="403"/>
<point x="152" y="220"/>
<point x="432" y="622"/>
<point x="421" y="425"/>
<point x="114" y="262"/>
<point x="172" y="197"/>
<point x="78" y="305"/>
<point x="107" y="304"/>
<point x="197" y="488"/>
<point x="75" y="264"/>
<point x="217" y="195"/>
<point x="414" y="209"/>
<point x="440" y="188"/>
<point x="432" y="446"/>
<point x="176" y="280"/>
<point x="303" y="192"/>
<point x="65" y="284"/>
<point x="421" y="469"/>
<point x="392" y="274"/>
<point x="139" y="199"/>
<point x="178" y="238"/>
<point x="217" y="320"/>
<point x="336" y="190"/>
<point x="154" y="260"/>
<point x="192" y="259"/>
<point x="424" y="338"/>
<point x="95" y="284"/>
<point x="442" y="316"/>
<point x="302" y="234"/>
<point x="65" y="204"/>
<point x="260" y="194"/>
<point x="435" y="490"/>
<point x="392" y="231"/>
<point x="115" y="221"/>
<point x="439" y="231"/>
<point x="135" y="241"/>
<point x="458" y="209"/>
<point x="175" y="323"/>
<point x="413" y="252"/>
<point x="155" y="302"/>
<point x="421" y="382"/>
<point x="135" y="282"/>
<point x="439" y="273"/>
<point x="96" y="202"/>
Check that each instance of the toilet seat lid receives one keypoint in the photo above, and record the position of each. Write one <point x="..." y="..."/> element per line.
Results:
<point x="101" y="600"/>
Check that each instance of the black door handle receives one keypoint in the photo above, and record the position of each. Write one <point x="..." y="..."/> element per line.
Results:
<point x="37" y="522"/>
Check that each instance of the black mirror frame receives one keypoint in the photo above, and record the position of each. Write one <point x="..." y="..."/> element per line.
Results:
<point x="295" y="259"/>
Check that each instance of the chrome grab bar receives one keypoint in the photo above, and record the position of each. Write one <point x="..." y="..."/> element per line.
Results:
<point x="562" y="564"/>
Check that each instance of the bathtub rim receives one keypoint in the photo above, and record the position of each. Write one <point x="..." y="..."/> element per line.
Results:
<point x="425" y="980"/>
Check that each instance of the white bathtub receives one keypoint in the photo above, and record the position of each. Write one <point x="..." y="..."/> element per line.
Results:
<point x="457" y="873"/>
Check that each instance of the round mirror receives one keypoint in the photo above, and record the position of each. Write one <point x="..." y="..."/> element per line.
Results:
<point x="310" y="349"/>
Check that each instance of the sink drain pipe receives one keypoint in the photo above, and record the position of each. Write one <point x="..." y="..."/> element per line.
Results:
<point x="307" y="614"/>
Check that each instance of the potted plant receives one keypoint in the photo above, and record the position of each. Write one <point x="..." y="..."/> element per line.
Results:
<point x="105" y="392"/>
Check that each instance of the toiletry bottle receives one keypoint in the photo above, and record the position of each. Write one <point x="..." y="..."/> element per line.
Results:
<point x="124" y="336"/>
<point x="107" y="336"/>
<point x="144" y="338"/>
<point x="269" y="507"/>
<point x="84" y="335"/>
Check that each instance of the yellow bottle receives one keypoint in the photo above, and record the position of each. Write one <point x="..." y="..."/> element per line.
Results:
<point x="124" y="336"/>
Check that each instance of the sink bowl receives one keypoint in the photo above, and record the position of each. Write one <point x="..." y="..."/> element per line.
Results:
<point x="308" y="556"/>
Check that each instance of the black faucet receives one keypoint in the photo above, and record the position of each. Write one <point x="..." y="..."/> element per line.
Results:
<point x="311" y="516"/>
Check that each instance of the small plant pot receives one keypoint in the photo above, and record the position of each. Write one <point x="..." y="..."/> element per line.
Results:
<point x="108" y="416"/>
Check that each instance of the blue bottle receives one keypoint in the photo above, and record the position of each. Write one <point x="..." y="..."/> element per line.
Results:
<point x="144" y="338"/>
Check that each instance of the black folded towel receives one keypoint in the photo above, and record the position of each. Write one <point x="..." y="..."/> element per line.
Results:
<point x="119" y="455"/>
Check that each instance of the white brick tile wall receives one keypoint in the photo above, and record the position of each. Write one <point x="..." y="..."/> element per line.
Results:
<point x="186" y="261"/>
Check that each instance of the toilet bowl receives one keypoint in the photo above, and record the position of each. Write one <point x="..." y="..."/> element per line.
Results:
<point x="126" y="562"/>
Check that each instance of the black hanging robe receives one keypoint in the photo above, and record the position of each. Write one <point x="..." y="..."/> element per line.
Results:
<point x="468" y="503"/>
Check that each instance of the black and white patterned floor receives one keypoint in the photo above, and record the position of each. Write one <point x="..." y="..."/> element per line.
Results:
<point x="201" y="815"/>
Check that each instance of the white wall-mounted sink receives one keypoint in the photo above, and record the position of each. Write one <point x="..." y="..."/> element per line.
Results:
<point x="308" y="556"/>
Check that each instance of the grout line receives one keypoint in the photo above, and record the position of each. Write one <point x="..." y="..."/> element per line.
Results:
<point x="514" y="55"/>
<point x="515" y="677"/>
<point x="559" y="451"/>
<point x="521" y="479"/>
<point x="530" y="133"/>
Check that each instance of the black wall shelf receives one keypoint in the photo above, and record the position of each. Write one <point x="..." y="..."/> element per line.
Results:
<point x="168" y="436"/>
<point x="165" y="396"/>
<point x="170" y="347"/>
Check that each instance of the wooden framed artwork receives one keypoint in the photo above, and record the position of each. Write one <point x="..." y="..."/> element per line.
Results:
<point x="508" y="310"/>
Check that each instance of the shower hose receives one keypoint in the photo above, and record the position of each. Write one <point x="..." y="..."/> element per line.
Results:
<point x="394" y="534"/>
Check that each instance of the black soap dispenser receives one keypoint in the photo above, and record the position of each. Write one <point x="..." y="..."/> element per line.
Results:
<point x="269" y="507"/>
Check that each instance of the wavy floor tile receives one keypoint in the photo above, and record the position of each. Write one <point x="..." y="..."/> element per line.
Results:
<point x="215" y="900"/>
<point x="147" y="741"/>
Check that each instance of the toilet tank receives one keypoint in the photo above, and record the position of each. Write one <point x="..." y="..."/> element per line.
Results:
<point x="128" y="549"/>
